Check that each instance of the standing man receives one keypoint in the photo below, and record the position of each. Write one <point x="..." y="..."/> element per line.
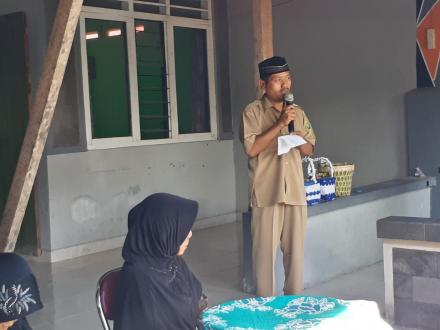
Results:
<point x="276" y="183"/>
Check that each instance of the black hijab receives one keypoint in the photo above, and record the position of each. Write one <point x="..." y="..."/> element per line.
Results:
<point x="19" y="293"/>
<point x="157" y="290"/>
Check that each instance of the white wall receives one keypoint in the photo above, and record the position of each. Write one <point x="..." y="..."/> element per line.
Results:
<point x="90" y="193"/>
<point x="243" y="89"/>
<point x="352" y="62"/>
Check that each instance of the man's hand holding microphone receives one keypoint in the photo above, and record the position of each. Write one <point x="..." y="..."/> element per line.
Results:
<point x="288" y="115"/>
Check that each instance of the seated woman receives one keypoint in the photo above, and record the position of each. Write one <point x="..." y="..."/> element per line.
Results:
<point x="157" y="290"/>
<point x="19" y="294"/>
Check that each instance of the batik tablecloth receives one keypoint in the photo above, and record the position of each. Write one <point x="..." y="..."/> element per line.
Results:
<point x="294" y="312"/>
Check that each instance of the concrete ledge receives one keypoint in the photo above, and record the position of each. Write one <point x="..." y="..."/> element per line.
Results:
<point x="341" y="235"/>
<point x="409" y="228"/>
<point x="373" y="192"/>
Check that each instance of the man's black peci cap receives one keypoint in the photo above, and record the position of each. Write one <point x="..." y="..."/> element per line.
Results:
<point x="271" y="65"/>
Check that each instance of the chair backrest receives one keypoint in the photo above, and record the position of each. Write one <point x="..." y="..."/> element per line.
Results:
<point x="106" y="296"/>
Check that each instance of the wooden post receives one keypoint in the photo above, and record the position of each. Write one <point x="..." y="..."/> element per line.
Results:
<point x="42" y="110"/>
<point x="263" y="35"/>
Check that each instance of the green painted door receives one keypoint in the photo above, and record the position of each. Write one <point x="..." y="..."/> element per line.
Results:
<point x="14" y="113"/>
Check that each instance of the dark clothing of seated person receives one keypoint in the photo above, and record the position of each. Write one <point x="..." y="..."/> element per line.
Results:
<point x="19" y="294"/>
<point x="156" y="289"/>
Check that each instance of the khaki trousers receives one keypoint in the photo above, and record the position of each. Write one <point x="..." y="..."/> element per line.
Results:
<point x="270" y="225"/>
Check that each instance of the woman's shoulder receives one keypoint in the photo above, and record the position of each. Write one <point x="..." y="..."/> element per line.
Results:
<point x="134" y="272"/>
<point x="21" y="324"/>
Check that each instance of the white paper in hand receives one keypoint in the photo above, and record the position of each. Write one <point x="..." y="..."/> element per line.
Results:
<point x="287" y="142"/>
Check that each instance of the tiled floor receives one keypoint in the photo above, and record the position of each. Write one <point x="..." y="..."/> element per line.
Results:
<point x="214" y="255"/>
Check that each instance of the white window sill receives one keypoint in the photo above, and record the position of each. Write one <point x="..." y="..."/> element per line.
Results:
<point x="124" y="142"/>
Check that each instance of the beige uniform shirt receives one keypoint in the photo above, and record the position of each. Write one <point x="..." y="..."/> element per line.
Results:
<point x="274" y="179"/>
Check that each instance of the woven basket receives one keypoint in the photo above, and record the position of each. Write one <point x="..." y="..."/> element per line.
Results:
<point x="313" y="192"/>
<point x="312" y="186"/>
<point x="327" y="183"/>
<point x="343" y="173"/>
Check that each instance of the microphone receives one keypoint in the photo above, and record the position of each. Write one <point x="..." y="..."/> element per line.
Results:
<point x="288" y="100"/>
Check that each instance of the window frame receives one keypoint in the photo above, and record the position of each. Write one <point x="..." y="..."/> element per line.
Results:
<point x="129" y="16"/>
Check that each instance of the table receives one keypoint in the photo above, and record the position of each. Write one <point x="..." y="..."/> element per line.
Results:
<point x="294" y="312"/>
